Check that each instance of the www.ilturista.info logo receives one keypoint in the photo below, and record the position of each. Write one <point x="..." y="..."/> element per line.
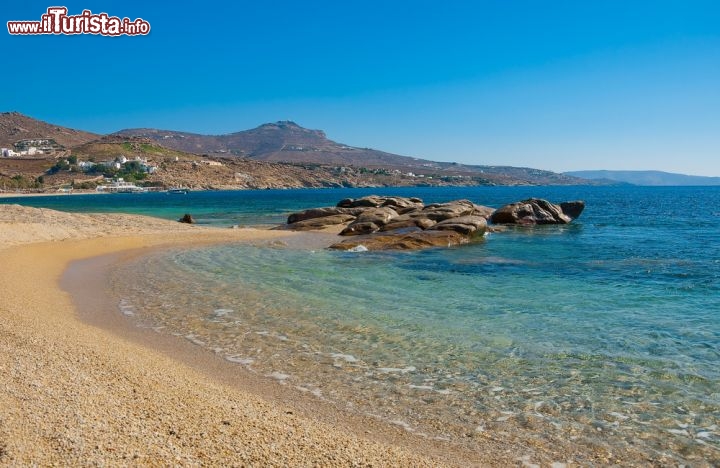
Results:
<point x="57" y="21"/>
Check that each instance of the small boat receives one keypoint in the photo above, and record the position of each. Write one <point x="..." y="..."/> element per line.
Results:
<point x="178" y="190"/>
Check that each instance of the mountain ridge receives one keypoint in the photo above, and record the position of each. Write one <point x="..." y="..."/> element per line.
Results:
<point x="646" y="178"/>
<point x="286" y="141"/>
<point x="282" y="142"/>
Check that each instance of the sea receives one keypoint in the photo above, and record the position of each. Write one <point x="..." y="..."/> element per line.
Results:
<point x="603" y="334"/>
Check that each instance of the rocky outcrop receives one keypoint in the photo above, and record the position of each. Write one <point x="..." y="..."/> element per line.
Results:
<point x="398" y="223"/>
<point x="400" y="205"/>
<point x="382" y="223"/>
<point x="320" y="222"/>
<point x="442" y="211"/>
<point x="537" y="211"/>
<point x="407" y="241"/>
<point x="573" y="208"/>
<point x="187" y="219"/>
<point x="467" y="225"/>
<point x="355" y="228"/>
<point x="322" y="212"/>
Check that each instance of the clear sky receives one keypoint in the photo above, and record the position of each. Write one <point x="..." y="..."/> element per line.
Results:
<point x="558" y="85"/>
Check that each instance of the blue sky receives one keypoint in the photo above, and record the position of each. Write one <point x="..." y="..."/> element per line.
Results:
<point x="559" y="85"/>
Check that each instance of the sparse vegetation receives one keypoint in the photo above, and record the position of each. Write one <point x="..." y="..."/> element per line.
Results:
<point x="19" y="182"/>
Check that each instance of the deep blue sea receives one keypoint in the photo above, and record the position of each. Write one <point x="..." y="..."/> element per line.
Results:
<point x="604" y="333"/>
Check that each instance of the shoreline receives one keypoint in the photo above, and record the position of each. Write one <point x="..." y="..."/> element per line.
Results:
<point x="91" y="274"/>
<point x="76" y="393"/>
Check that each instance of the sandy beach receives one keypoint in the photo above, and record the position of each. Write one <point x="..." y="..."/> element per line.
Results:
<point x="74" y="393"/>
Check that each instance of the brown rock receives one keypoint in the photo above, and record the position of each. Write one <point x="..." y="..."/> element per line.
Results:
<point x="484" y="211"/>
<point x="533" y="211"/>
<point x="371" y="201"/>
<point x="399" y="204"/>
<point x="412" y="241"/>
<point x="424" y="223"/>
<point x="379" y="216"/>
<point x="406" y="222"/>
<point x="466" y="225"/>
<point x="187" y="218"/>
<point x="357" y="228"/>
<point x="319" y="223"/>
<point x="321" y="213"/>
<point x="573" y="208"/>
<point x="403" y="205"/>
<point x="443" y="211"/>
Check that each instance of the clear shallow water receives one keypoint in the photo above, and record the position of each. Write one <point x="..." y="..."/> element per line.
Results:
<point x="604" y="333"/>
<point x="256" y="207"/>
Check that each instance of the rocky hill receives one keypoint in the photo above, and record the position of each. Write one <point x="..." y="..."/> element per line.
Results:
<point x="177" y="168"/>
<point x="15" y="126"/>
<point x="287" y="141"/>
<point x="283" y="141"/>
<point x="274" y="155"/>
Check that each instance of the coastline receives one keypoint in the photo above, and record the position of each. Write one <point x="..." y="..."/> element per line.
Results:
<point x="76" y="393"/>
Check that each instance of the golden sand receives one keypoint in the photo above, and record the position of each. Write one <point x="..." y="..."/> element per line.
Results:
<point x="75" y="394"/>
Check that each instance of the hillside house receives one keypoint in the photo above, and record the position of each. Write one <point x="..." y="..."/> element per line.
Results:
<point x="35" y="146"/>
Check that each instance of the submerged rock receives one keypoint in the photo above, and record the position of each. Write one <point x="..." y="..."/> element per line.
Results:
<point x="411" y="241"/>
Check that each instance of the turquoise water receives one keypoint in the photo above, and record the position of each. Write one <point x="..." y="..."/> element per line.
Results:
<point x="257" y="207"/>
<point x="603" y="334"/>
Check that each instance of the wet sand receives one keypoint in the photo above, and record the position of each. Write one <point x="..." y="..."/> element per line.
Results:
<point x="90" y="388"/>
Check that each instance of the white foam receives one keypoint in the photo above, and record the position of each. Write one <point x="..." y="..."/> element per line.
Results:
<point x="358" y="248"/>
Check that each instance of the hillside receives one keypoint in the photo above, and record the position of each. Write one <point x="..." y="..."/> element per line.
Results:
<point x="15" y="126"/>
<point x="651" y="178"/>
<point x="177" y="168"/>
<point x="109" y="147"/>
<point x="286" y="141"/>
<point x="283" y="141"/>
<point x="281" y="154"/>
